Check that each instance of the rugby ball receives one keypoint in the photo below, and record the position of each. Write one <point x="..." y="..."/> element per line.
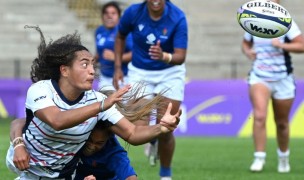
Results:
<point x="264" y="19"/>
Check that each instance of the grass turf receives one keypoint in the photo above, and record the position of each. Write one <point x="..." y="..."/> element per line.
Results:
<point x="204" y="158"/>
<point x="200" y="158"/>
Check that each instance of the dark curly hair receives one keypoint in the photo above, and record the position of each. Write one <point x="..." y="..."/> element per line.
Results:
<point x="52" y="56"/>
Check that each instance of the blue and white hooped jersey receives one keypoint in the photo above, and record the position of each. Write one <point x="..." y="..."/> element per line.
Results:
<point x="52" y="150"/>
<point x="105" y="39"/>
<point x="171" y="29"/>
<point x="271" y="63"/>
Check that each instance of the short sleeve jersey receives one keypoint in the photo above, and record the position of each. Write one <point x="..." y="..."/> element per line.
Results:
<point x="52" y="150"/>
<point x="105" y="39"/>
<point x="272" y="63"/>
<point x="171" y="29"/>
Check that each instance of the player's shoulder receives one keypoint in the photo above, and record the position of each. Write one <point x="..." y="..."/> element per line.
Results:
<point x="136" y="6"/>
<point x="43" y="84"/>
<point x="294" y="31"/>
<point x="135" y="9"/>
<point x="174" y="8"/>
<point x="175" y="11"/>
<point x="175" y="14"/>
<point x="294" y="26"/>
<point x="100" y="29"/>
<point x="40" y="89"/>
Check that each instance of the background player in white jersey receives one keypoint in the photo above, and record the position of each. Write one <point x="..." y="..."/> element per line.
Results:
<point x="62" y="109"/>
<point x="160" y="37"/>
<point x="271" y="78"/>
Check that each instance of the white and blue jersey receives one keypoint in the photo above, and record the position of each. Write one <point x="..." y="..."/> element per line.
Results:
<point x="271" y="63"/>
<point x="105" y="39"/>
<point x="53" y="153"/>
<point x="170" y="29"/>
<point x="110" y="163"/>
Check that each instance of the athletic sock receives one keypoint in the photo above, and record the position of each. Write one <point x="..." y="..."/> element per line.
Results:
<point x="165" y="172"/>
<point x="283" y="154"/>
<point x="260" y="154"/>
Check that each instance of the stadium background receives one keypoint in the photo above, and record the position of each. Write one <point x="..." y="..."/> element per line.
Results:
<point x="216" y="102"/>
<point x="216" y="67"/>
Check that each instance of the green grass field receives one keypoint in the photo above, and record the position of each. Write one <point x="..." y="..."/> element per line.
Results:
<point x="200" y="158"/>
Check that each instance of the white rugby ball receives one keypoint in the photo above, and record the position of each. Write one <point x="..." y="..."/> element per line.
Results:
<point x="264" y="18"/>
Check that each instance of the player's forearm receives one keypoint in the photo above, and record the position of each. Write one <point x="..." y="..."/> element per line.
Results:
<point x="126" y="57"/>
<point x="119" y="49"/>
<point x="16" y="128"/>
<point x="247" y="50"/>
<point x="178" y="57"/>
<point x="293" y="47"/>
<point x="246" y="46"/>
<point x="144" y="134"/>
<point x="60" y="120"/>
<point x="137" y="135"/>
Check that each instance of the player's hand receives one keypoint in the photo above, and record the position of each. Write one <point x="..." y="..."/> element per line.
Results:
<point x="276" y="42"/>
<point x="108" y="54"/>
<point x="156" y="52"/>
<point x="115" y="97"/>
<point x="169" y="122"/>
<point x="91" y="177"/>
<point x="21" y="158"/>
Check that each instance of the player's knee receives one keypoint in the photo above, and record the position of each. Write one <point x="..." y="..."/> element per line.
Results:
<point x="282" y="125"/>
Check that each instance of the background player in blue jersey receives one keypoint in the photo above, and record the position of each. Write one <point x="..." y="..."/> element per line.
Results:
<point x="271" y="78"/>
<point x="62" y="109"/>
<point x="105" y="39"/>
<point x="102" y="156"/>
<point x="160" y="36"/>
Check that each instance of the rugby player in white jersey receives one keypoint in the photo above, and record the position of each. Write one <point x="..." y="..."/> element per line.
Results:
<point x="62" y="109"/>
<point x="271" y="78"/>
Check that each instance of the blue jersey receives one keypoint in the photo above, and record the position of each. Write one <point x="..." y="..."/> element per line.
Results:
<point x="170" y="29"/>
<point x="105" y="39"/>
<point x="110" y="163"/>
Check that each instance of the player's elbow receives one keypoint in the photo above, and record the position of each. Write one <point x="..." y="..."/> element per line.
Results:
<point x="182" y="60"/>
<point x="56" y="125"/>
<point x="133" y="140"/>
<point x="179" y="56"/>
<point x="302" y="48"/>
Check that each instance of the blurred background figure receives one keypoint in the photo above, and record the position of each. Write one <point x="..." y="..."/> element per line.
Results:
<point x="220" y="30"/>
<point x="160" y="38"/>
<point x="104" y="40"/>
<point x="271" y="78"/>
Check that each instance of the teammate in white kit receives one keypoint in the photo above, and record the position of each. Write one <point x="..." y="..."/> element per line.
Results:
<point x="271" y="78"/>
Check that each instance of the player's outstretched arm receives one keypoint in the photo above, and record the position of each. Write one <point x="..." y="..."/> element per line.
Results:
<point x="60" y="120"/>
<point x="137" y="135"/>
